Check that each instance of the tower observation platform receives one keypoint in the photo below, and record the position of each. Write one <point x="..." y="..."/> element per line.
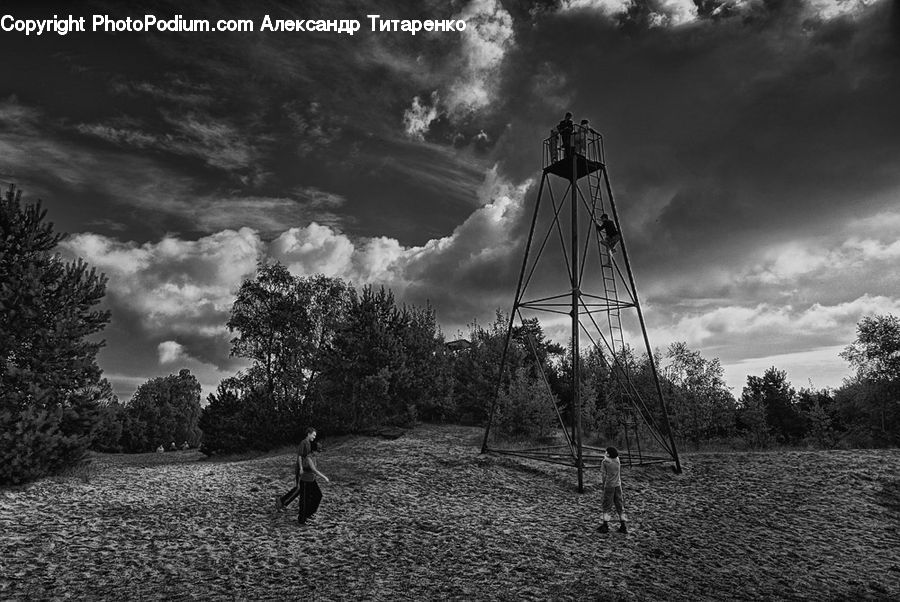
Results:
<point x="577" y="155"/>
<point x="575" y="268"/>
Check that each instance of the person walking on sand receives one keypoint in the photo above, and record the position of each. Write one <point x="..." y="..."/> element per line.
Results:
<point x="305" y="487"/>
<point x="611" y="485"/>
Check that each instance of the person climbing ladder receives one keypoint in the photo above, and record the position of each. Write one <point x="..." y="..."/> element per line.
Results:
<point x="610" y="234"/>
<point x="566" y="129"/>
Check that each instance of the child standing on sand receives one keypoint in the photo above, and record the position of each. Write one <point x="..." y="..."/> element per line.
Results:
<point x="611" y="484"/>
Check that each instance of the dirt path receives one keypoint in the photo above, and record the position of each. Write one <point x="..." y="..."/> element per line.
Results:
<point x="426" y="517"/>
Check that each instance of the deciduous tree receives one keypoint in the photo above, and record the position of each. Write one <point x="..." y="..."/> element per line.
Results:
<point x="871" y="400"/>
<point x="776" y="395"/>
<point x="701" y="404"/>
<point x="284" y="324"/>
<point x="163" y="410"/>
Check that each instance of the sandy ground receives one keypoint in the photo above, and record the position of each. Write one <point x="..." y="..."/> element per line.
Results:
<point x="426" y="516"/>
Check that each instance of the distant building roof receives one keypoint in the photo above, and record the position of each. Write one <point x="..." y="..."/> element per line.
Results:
<point x="458" y="345"/>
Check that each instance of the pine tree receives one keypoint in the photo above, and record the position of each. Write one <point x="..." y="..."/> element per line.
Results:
<point x="48" y="372"/>
<point x="367" y="360"/>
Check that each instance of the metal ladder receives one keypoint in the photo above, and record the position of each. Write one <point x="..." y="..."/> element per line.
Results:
<point x="616" y="340"/>
<point x="607" y="265"/>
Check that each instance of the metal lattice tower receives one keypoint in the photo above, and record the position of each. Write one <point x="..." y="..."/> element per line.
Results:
<point x="595" y="289"/>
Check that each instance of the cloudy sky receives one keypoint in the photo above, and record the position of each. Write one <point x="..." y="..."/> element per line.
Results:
<point x="753" y="146"/>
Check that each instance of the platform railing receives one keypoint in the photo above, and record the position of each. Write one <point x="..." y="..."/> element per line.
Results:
<point x="583" y="140"/>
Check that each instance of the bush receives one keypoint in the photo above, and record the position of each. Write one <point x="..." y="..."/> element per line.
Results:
<point x="37" y="441"/>
<point x="108" y="436"/>
<point x="525" y="408"/>
<point x="222" y="423"/>
<point x="242" y="420"/>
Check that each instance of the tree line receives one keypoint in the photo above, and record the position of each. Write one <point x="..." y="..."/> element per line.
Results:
<point x="346" y="360"/>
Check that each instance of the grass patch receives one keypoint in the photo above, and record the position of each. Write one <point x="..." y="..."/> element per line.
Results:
<point x="83" y="472"/>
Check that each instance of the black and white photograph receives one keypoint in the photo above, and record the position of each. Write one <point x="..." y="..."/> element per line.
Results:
<point x="450" y="300"/>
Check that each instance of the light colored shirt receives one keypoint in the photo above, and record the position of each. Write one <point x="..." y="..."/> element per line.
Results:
<point x="610" y="473"/>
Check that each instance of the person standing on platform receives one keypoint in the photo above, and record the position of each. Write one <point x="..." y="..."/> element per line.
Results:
<point x="554" y="145"/>
<point x="565" y="129"/>
<point x="581" y="136"/>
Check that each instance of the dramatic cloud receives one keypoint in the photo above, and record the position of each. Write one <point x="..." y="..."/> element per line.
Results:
<point x="658" y="13"/>
<point x="485" y="42"/>
<point x="179" y="292"/>
<point x="673" y="12"/>
<point x="378" y="260"/>
<point x="476" y="261"/>
<point x="765" y="319"/>
<point x="832" y="9"/>
<point x="315" y="127"/>
<point x="123" y="136"/>
<point x="608" y="7"/>
<point x="319" y="199"/>
<point x="177" y="92"/>
<point x="267" y="215"/>
<point x="314" y="249"/>
<point x="218" y="143"/>
<point x="752" y="148"/>
<point x="418" y="117"/>
<point x="790" y="261"/>
<point x="174" y="286"/>
<point x="16" y="117"/>
<point x="806" y="340"/>
<point x="171" y="352"/>
<point x="170" y="301"/>
<point x="813" y="368"/>
<point x="470" y="81"/>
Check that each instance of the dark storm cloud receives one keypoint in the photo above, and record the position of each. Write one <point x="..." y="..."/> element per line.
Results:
<point x="749" y="127"/>
<point x="743" y="145"/>
<point x="180" y="138"/>
<point x="751" y="146"/>
<point x="219" y="111"/>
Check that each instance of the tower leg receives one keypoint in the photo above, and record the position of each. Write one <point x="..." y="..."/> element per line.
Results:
<point x="637" y="306"/>
<point x="576" y="323"/>
<point x="512" y="315"/>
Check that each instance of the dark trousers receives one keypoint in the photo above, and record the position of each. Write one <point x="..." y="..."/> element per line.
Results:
<point x="310" y="495"/>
